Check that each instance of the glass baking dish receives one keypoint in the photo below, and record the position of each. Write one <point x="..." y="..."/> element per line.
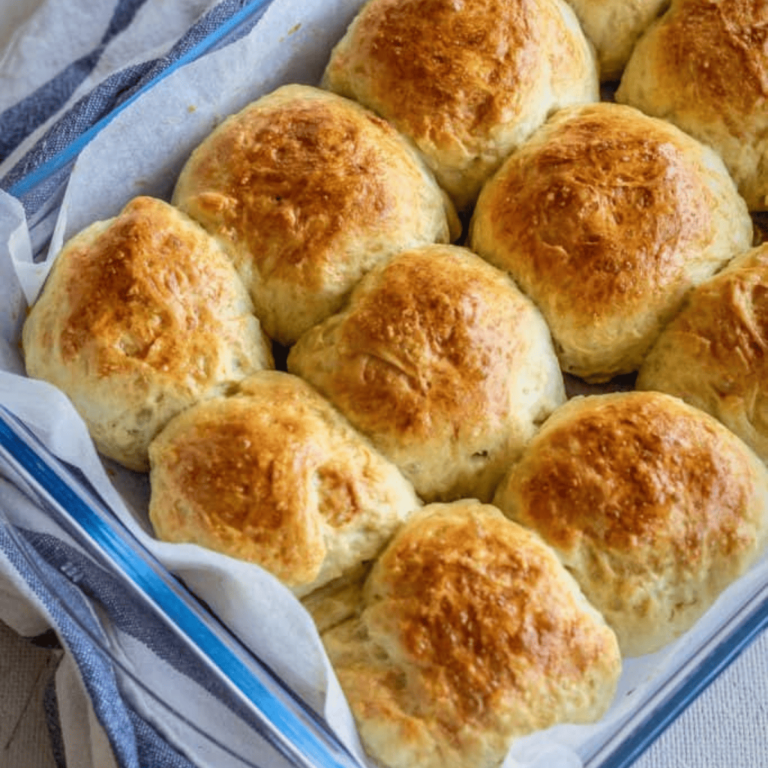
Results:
<point x="279" y="720"/>
<point x="265" y="703"/>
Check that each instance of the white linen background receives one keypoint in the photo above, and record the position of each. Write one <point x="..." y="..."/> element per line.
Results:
<point x="726" y="726"/>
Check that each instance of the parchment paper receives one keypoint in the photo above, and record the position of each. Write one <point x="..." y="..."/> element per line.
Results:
<point x="141" y="152"/>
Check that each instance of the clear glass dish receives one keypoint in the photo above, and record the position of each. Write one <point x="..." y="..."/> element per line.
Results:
<point x="268" y="707"/>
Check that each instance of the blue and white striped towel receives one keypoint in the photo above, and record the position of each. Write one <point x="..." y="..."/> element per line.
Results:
<point x="118" y="47"/>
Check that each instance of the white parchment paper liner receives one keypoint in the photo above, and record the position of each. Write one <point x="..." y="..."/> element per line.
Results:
<point x="141" y="152"/>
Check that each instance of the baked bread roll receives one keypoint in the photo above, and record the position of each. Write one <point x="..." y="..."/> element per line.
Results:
<point x="713" y="354"/>
<point x="471" y="635"/>
<point x="442" y="363"/>
<point x="613" y="27"/>
<point x="307" y="191"/>
<point x="704" y="67"/>
<point x="606" y="218"/>
<point x="653" y="506"/>
<point x="467" y="82"/>
<point x="273" y="475"/>
<point x="142" y="316"/>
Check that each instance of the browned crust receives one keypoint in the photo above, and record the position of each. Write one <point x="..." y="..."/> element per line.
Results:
<point x="242" y="477"/>
<point x="714" y="354"/>
<point x="492" y="45"/>
<point x="718" y="51"/>
<point x="285" y="184"/>
<point x="599" y="217"/>
<point x="472" y="635"/>
<point x="143" y="293"/>
<point x="478" y="608"/>
<point x="633" y="475"/>
<point x="272" y="474"/>
<point x="432" y="342"/>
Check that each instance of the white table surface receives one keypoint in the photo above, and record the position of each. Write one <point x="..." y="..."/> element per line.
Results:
<point x="726" y="727"/>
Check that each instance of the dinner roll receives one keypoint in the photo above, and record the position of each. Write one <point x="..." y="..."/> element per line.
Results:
<point x="443" y="363"/>
<point x="606" y="218"/>
<point x="471" y="635"/>
<point x="704" y="67"/>
<point x="613" y="27"/>
<point x="274" y="475"/>
<point x="713" y="354"/>
<point x="468" y="81"/>
<point x="142" y="316"/>
<point x="653" y="506"/>
<point x="307" y="191"/>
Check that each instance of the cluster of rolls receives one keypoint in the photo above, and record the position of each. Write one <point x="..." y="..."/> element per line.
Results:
<point x="431" y="244"/>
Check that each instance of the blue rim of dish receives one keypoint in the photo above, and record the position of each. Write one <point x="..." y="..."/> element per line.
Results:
<point x="69" y="154"/>
<point x="291" y="727"/>
<point x="715" y="660"/>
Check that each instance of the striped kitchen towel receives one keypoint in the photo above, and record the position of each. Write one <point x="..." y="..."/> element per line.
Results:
<point x="72" y="65"/>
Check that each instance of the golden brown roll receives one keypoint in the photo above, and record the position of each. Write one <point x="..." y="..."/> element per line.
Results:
<point x="142" y="316"/>
<point x="443" y="363"/>
<point x="613" y="27"/>
<point x="704" y="67"/>
<point x="467" y="82"/>
<point x="471" y="635"/>
<point x="653" y="506"/>
<point x="275" y="476"/>
<point x="307" y="191"/>
<point x="713" y="354"/>
<point x="606" y="218"/>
